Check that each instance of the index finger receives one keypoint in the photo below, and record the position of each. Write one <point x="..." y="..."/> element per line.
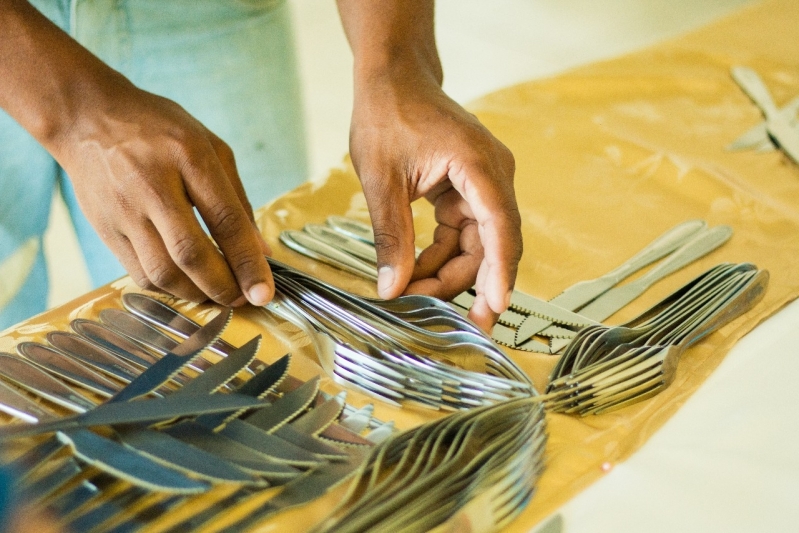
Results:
<point x="490" y="195"/>
<point x="212" y="192"/>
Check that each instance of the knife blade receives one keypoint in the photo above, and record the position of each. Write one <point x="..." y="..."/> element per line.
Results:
<point x="223" y="371"/>
<point x="138" y="412"/>
<point x="258" y="386"/>
<point x="531" y="305"/>
<point x="174" y="453"/>
<point x="777" y="125"/>
<point x="583" y="292"/>
<point x="616" y="298"/>
<point x="127" y="464"/>
<point x="181" y="355"/>
<point x="756" y="137"/>
<point x="319" y="418"/>
<point x="285" y="408"/>
<point x="162" y="315"/>
<point x="231" y="450"/>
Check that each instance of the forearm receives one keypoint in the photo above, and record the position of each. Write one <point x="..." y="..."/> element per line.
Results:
<point x="391" y="37"/>
<point x="49" y="80"/>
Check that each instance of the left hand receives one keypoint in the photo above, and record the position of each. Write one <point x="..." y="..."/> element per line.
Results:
<point x="410" y="140"/>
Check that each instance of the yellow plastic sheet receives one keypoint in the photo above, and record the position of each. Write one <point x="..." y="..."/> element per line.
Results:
<point x="608" y="157"/>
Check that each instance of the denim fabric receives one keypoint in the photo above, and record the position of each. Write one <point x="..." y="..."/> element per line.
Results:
<point x="230" y="63"/>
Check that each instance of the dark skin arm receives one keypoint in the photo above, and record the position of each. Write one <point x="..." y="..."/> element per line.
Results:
<point x="410" y="140"/>
<point x="139" y="164"/>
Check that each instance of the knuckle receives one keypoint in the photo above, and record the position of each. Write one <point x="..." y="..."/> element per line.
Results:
<point x="226" y="221"/>
<point x="162" y="275"/>
<point x="187" y="252"/>
<point x="225" y="295"/>
<point x="386" y="241"/>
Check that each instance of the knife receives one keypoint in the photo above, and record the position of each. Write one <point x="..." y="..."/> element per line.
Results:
<point x="63" y="366"/>
<point x="179" y="356"/>
<point x="288" y="445"/>
<point x="319" y="418"/>
<point x="285" y="408"/>
<point x="138" y="330"/>
<point x="757" y="137"/>
<point x="127" y="464"/>
<point x="258" y="387"/>
<point x="138" y="412"/>
<point x="583" y="292"/>
<point x="32" y="378"/>
<point x="308" y="245"/>
<point x="778" y="126"/>
<point x="242" y="456"/>
<point x="90" y="355"/>
<point x="163" y="316"/>
<point x="112" y="341"/>
<point x="616" y="298"/>
<point x="357" y="247"/>
<point x="223" y="371"/>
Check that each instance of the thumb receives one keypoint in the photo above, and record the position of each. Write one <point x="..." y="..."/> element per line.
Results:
<point x="390" y="209"/>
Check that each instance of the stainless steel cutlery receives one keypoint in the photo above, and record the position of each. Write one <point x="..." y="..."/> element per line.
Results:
<point x="780" y="124"/>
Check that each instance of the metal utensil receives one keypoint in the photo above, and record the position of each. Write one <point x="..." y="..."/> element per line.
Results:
<point x="619" y="366"/>
<point x="700" y="245"/>
<point x="583" y="292"/>
<point x="777" y="124"/>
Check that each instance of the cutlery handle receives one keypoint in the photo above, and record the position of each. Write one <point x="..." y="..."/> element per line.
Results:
<point x="743" y="300"/>
<point x="665" y="244"/>
<point x="754" y="87"/>
<point x="702" y="243"/>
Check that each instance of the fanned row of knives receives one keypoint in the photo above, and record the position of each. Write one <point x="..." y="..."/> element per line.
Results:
<point x="171" y="437"/>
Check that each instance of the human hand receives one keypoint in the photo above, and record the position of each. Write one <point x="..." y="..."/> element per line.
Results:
<point x="410" y="140"/>
<point x="139" y="164"/>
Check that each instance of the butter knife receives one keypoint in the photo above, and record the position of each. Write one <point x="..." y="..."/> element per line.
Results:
<point x="616" y="298"/>
<point x="583" y="292"/>
<point x="778" y="126"/>
<point x="756" y="137"/>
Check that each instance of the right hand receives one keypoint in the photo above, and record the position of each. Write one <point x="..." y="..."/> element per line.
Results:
<point x="139" y="164"/>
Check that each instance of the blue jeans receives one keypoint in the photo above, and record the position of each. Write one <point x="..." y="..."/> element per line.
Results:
<point x="230" y="63"/>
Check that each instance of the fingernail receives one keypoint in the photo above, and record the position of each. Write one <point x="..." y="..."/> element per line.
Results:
<point x="385" y="280"/>
<point x="259" y="294"/>
<point x="507" y="298"/>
